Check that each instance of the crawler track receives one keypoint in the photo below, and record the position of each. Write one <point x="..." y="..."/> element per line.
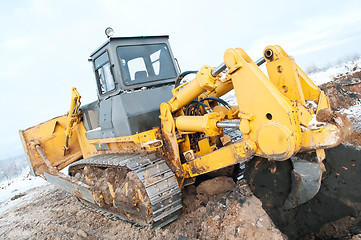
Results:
<point x="156" y="177"/>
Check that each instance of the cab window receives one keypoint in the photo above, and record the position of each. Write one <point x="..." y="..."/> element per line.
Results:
<point x="145" y="63"/>
<point x="103" y="74"/>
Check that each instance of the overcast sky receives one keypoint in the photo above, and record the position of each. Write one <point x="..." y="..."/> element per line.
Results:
<point x="44" y="45"/>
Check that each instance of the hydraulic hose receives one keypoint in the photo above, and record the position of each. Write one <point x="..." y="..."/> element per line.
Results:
<point x="181" y="76"/>
<point x="221" y="101"/>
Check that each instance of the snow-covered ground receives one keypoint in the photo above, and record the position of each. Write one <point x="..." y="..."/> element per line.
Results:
<point x="346" y="69"/>
<point x="328" y="75"/>
<point x="16" y="187"/>
<point x="354" y="114"/>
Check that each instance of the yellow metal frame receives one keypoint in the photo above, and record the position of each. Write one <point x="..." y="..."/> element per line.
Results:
<point x="221" y="158"/>
<point x="148" y="139"/>
<point x="273" y="113"/>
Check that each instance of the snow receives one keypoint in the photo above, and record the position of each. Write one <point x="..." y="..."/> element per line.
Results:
<point x="314" y="124"/>
<point x="354" y="114"/>
<point x="16" y="186"/>
<point x="328" y="75"/>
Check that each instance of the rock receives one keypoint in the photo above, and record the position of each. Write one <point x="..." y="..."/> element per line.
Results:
<point x="242" y="218"/>
<point x="214" y="188"/>
<point x="326" y="115"/>
<point x="81" y="233"/>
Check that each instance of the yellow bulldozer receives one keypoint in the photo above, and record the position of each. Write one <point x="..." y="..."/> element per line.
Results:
<point x="150" y="133"/>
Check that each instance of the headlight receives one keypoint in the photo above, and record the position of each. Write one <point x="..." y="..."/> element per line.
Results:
<point x="109" y="32"/>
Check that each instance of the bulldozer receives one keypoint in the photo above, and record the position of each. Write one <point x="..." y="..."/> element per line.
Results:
<point x="150" y="133"/>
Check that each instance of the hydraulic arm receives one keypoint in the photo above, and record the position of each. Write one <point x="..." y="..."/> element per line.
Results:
<point x="275" y="115"/>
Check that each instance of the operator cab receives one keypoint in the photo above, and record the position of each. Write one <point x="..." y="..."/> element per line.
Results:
<point x="134" y="75"/>
<point x="129" y="63"/>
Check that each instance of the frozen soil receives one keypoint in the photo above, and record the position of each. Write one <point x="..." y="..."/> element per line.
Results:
<point x="344" y="91"/>
<point x="51" y="213"/>
<point x="344" y="94"/>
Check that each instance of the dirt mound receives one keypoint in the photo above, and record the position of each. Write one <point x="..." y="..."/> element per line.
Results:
<point x="239" y="216"/>
<point x="354" y="138"/>
<point x="344" y="91"/>
<point x="343" y="228"/>
<point x="214" y="188"/>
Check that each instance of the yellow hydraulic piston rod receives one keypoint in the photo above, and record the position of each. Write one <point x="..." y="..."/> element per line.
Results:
<point x="223" y="66"/>
<point x="210" y="124"/>
<point x="229" y="124"/>
<point x="223" y="87"/>
<point x="185" y="93"/>
<point x="206" y="123"/>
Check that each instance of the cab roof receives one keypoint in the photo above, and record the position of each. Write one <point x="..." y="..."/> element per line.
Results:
<point x="111" y="39"/>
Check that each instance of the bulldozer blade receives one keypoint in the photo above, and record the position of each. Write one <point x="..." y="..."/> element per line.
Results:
<point x="305" y="182"/>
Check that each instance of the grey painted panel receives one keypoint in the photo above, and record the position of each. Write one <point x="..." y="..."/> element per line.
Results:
<point x="130" y="113"/>
<point x="146" y="100"/>
<point x="120" y="118"/>
<point x="105" y="114"/>
<point x="90" y="115"/>
<point x="138" y="111"/>
<point x="95" y="134"/>
<point x="143" y="122"/>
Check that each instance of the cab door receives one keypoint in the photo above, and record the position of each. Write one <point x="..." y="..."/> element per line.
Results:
<point x="106" y="86"/>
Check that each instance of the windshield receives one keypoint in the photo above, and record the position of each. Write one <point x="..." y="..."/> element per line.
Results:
<point x="145" y="63"/>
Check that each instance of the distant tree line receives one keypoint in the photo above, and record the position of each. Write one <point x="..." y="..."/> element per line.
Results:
<point x="313" y="68"/>
<point x="13" y="167"/>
